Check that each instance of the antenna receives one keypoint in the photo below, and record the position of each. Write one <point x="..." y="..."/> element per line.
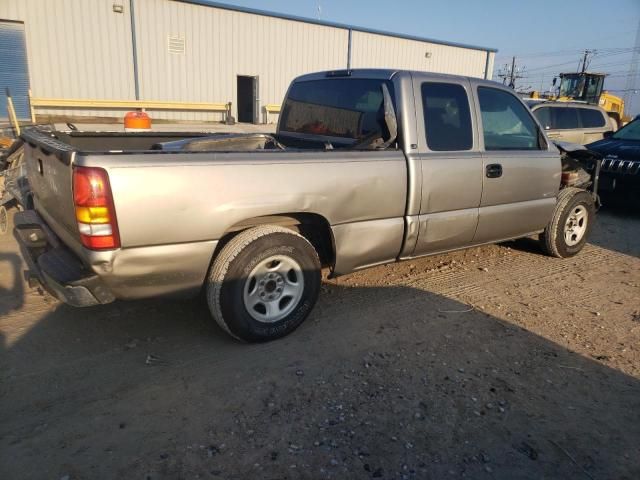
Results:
<point x="319" y="10"/>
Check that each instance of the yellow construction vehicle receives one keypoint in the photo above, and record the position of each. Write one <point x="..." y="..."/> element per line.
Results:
<point x="587" y="87"/>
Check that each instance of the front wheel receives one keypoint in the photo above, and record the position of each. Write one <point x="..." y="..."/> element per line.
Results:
<point x="570" y="225"/>
<point x="264" y="283"/>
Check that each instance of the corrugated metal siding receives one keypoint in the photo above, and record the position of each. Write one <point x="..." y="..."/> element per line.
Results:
<point x="221" y="44"/>
<point x="75" y="48"/>
<point x="378" y="51"/>
<point x="13" y="69"/>
<point x="492" y="58"/>
<point x="82" y="49"/>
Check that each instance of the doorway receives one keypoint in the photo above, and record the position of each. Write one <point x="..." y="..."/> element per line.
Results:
<point x="247" y="99"/>
<point x="14" y="73"/>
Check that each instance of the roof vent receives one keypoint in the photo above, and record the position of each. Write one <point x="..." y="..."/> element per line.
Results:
<point x="175" y="45"/>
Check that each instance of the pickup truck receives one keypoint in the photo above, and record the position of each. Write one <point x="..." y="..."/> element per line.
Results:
<point x="367" y="167"/>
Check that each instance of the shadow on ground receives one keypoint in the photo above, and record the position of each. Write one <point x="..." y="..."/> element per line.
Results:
<point x="378" y="383"/>
<point x="618" y="224"/>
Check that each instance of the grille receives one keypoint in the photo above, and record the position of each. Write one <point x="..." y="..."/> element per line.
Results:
<point x="625" y="167"/>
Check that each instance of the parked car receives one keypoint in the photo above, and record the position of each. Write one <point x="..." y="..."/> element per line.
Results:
<point x="367" y="167"/>
<point x="621" y="159"/>
<point x="573" y="122"/>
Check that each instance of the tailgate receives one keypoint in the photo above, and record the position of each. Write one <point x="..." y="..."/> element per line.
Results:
<point x="49" y="170"/>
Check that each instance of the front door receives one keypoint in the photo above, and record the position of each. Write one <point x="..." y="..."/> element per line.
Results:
<point x="521" y="172"/>
<point x="451" y="164"/>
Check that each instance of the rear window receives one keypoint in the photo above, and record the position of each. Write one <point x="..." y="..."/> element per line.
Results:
<point x="447" y="117"/>
<point x="592" y="118"/>
<point x="341" y="107"/>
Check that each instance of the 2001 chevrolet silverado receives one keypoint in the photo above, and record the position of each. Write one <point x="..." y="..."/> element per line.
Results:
<point x="367" y="167"/>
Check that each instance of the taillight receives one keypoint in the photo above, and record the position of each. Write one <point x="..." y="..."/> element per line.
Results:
<point x="95" y="212"/>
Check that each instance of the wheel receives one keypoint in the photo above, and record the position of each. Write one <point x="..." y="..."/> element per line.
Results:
<point x="570" y="225"/>
<point x="264" y="283"/>
<point x="4" y="220"/>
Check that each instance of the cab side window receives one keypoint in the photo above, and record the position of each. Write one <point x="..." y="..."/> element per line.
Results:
<point x="507" y="124"/>
<point x="447" y="117"/>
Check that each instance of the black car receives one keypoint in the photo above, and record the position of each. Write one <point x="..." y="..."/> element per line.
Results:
<point x="621" y="159"/>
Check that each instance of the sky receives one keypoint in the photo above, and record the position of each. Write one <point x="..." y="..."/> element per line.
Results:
<point x="546" y="36"/>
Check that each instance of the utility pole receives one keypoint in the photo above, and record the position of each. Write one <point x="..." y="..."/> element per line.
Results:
<point x="585" y="58"/>
<point x="510" y="73"/>
<point x="632" y="76"/>
<point x="512" y="81"/>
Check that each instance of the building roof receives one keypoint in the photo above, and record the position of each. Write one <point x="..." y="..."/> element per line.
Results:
<point x="265" y="13"/>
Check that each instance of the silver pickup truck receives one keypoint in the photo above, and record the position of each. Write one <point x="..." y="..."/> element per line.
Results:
<point x="367" y="167"/>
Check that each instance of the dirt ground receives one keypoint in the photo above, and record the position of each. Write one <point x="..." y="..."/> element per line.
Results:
<point x="495" y="362"/>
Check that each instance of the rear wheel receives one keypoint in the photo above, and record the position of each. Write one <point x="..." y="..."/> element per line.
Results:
<point x="264" y="283"/>
<point x="567" y="232"/>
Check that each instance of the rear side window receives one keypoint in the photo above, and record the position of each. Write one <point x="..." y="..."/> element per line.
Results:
<point x="507" y="124"/>
<point x="591" y="118"/>
<point x="341" y="107"/>
<point x="447" y="117"/>
<point x="565" y="118"/>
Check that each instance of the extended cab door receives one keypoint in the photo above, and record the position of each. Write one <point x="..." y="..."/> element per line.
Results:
<point x="451" y="163"/>
<point x="521" y="172"/>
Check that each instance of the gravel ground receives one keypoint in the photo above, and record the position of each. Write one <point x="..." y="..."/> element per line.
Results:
<point x="495" y="362"/>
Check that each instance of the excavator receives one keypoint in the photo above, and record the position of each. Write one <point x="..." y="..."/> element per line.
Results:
<point x="588" y="87"/>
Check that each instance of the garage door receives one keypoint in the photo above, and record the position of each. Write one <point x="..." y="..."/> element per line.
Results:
<point x="13" y="69"/>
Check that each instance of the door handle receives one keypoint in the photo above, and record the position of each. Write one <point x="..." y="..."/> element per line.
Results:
<point x="494" y="170"/>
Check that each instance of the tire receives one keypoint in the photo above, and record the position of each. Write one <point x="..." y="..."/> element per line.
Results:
<point x="264" y="283"/>
<point x="570" y="225"/>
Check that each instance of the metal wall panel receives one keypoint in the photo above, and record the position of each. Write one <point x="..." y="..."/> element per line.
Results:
<point x="221" y="44"/>
<point x="379" y="51"/>
<point x="492" y="58"/>
<point x="75" y="48"/>
<point x="190" y="52"/>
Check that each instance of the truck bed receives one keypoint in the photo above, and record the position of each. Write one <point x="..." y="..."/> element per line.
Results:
<point x="174" y="205"/>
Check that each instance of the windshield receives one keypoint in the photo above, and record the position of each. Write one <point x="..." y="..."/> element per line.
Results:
<point x="631" y="131"/>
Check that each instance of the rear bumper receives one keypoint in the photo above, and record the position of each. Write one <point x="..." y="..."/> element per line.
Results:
<point x="56" y="267"/>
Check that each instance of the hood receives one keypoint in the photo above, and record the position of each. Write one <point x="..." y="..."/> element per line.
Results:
<point x="614" y="149"/>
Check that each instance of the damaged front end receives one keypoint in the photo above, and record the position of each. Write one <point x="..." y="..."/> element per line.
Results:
<point x="580" y="168"/>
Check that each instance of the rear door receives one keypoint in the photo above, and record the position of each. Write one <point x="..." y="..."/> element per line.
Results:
<point x="594" y="124"/>
<point x="521" y="172"/>
<point x="451" y="164"/>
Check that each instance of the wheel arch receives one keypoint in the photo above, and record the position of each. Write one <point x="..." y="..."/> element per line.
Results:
<point x="314" y="227"/>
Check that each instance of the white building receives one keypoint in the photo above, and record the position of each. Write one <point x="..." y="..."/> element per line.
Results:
<point x="192" y="51"/>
